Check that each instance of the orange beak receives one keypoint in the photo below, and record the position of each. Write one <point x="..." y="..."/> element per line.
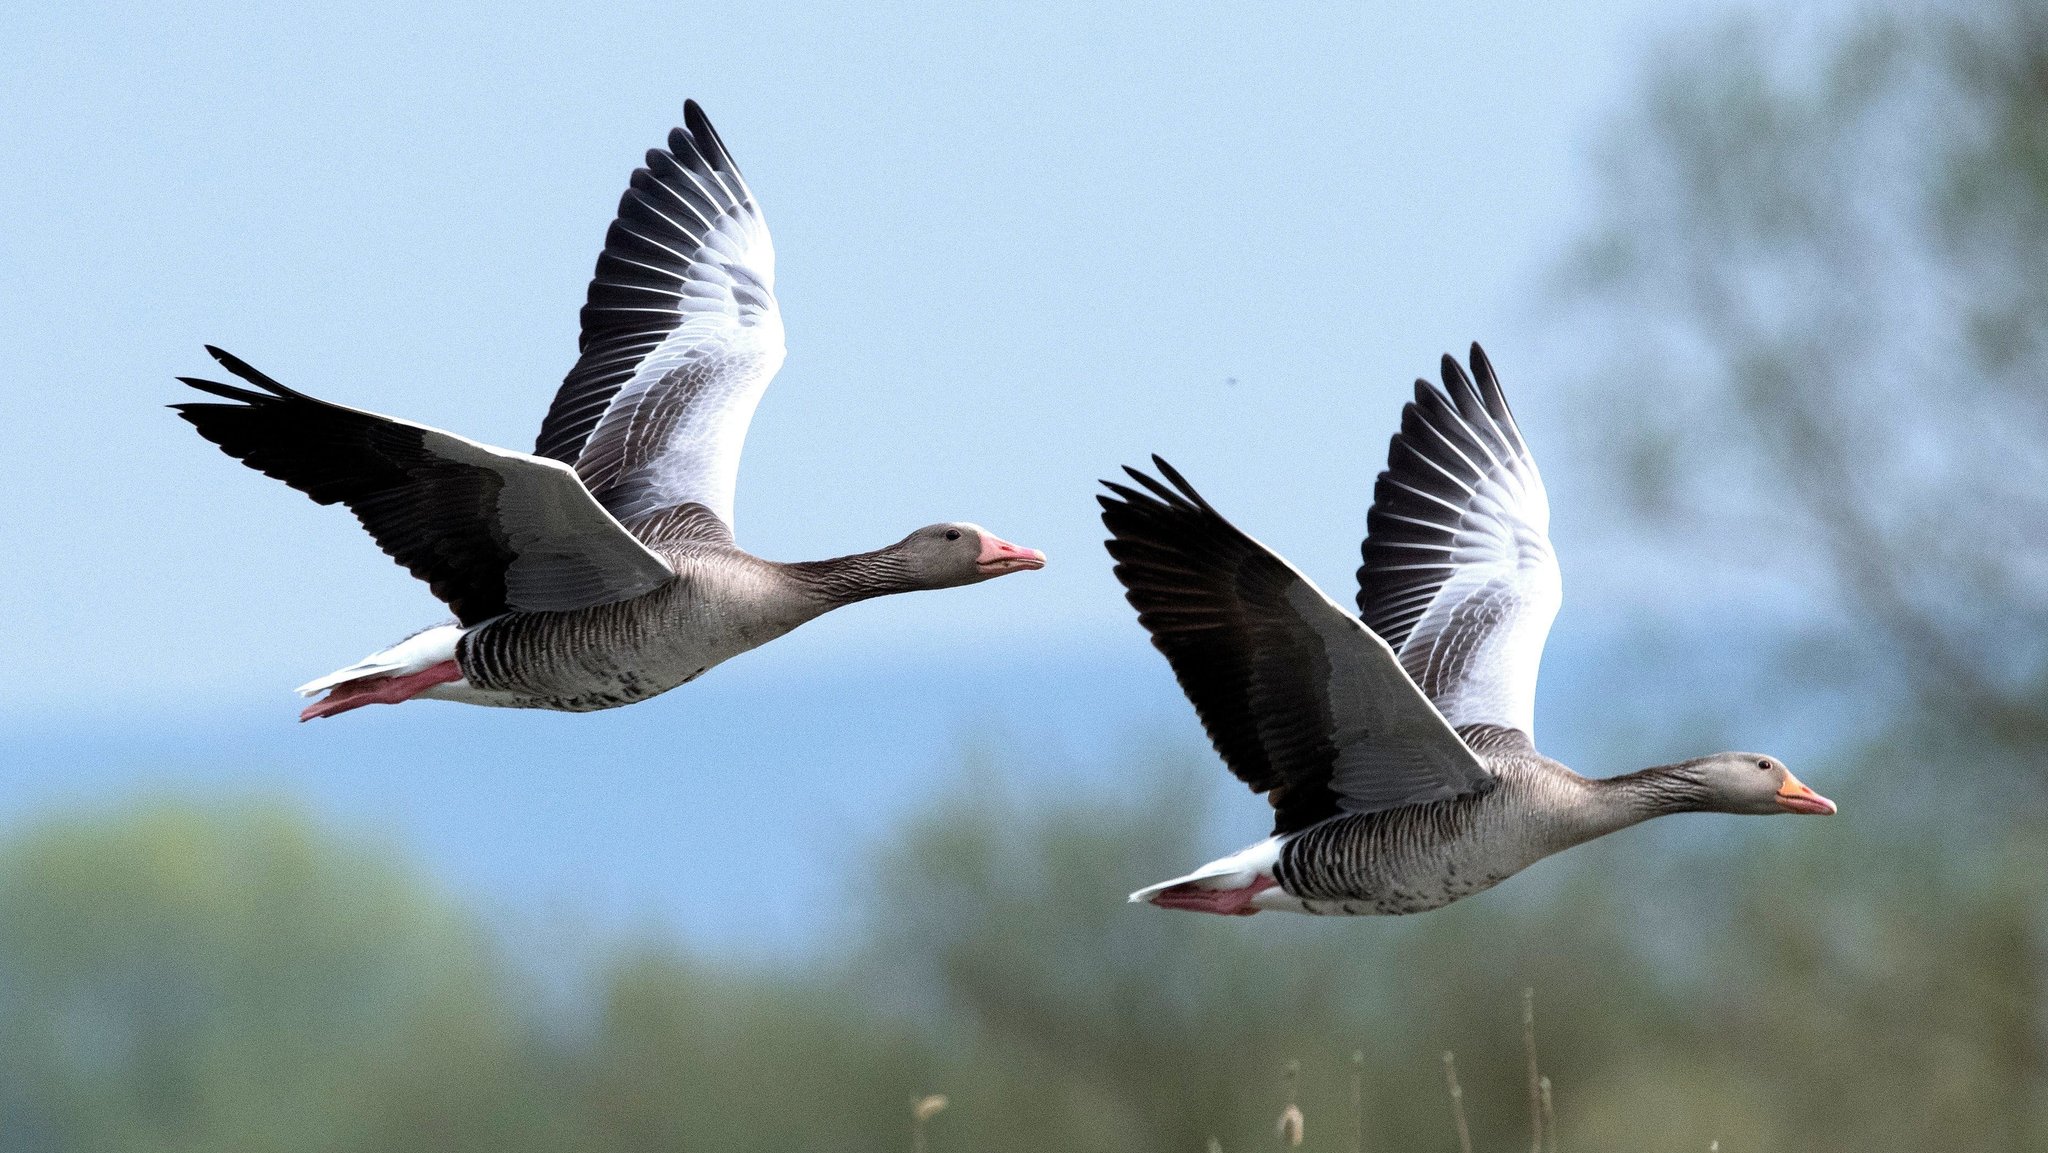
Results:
<point x="1794" y="797"/>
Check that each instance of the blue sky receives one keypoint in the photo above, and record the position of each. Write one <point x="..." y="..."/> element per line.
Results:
<point x="1016" y="248"/>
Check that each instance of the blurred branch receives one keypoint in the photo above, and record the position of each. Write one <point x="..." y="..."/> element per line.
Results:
<point x="1814" y="252"/>
<point x="1358" y="1101"/>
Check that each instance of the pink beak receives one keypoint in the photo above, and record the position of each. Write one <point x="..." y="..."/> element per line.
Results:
<point x="999" y="556"/>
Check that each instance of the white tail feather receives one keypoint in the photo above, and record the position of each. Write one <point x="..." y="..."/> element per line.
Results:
<point x="1235" y="871"/>
<point x="421" y="650"/>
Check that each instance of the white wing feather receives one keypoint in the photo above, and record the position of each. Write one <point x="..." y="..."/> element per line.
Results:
<point x="1459" y="575"/>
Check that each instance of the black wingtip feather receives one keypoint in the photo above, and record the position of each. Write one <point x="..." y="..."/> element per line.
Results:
<point x="243" y="369"/>
<point x="1175" y="491"/>
<point x="694" y="119"/>
<point x="1169" y="496"/>
<point x="1126" y="497"/>
<point x="1494" y="396"/>
<point x="228" y="391"/>
<point x="1463" y="393"/>
<point x="1153" y="485"/>
<point x="1180" y="482"/>
<point x="709" y="144"/>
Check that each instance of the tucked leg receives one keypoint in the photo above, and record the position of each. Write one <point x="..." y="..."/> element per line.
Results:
<point x="380" y="690"/>
<point x="1224" y="902"/>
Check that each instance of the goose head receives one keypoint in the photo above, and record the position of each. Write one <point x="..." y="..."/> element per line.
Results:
<point x="1753" y="784"/>
<point x="958" y="553"/>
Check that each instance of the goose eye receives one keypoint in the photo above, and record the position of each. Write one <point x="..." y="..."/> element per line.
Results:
<point x="952" y="534"/>
<point x="1764" y="764"/>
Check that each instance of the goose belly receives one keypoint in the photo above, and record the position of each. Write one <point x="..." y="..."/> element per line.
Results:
<point x="608" y="655"/>
<point x="1407" y="860"/>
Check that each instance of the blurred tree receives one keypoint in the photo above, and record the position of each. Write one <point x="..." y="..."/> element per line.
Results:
<point x="1846" y="989"/>
<point x="1823" y="249"/>
<point x="178" y="978"/>
<point x="1077" y="1021"/>
<point x="687" y="1057"/>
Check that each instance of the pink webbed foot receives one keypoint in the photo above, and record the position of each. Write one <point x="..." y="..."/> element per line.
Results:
<point x="1224" y="902"/>
<point x="380" y="690"/>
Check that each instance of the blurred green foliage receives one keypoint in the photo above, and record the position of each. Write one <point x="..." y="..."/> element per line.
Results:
<point x="172" y="979"/>
<point x="1848" y="242"/>
<point x="176" y="977"/>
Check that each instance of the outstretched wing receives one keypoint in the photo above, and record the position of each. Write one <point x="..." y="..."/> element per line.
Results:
<point x="1301" y="700"/>
<point x="1459" y="576"/>
<point x="488" y="530"/>
<point x="681" y="334"/>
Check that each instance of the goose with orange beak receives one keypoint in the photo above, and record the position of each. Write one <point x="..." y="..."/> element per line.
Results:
<point x="1398" y="745"/>
<point x="1795" y="797"/>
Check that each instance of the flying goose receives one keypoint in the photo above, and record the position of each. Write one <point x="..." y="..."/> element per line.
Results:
<point x="1397" y="747"/>
<point x="600" y="569"/>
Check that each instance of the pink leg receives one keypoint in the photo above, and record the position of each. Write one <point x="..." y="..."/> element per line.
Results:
<point x="1227" y="902"/>
<point x="380" y="690"/>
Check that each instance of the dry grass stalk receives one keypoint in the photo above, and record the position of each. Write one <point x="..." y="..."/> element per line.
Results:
<point x="1457" y="1102"/>
<point x="923" y="1109"/>
<point x="1289" y="1128"/>
<point x="1535" y="1078"/>
<point x="1549" y="1120"/>
<point x="1358" y="1101"/>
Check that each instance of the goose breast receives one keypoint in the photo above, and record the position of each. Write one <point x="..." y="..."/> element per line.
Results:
<point x="1422" y="857"/>
<point x="718" y="606"/>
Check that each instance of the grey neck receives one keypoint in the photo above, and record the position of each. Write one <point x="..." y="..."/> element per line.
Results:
<point x="846" y="579"/>
<point x="1654" y="792"/>
<point x="1576" y="809"/>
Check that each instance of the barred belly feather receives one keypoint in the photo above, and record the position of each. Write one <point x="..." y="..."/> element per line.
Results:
<point x="1422" y="857"/>
<point x="618" y="654"/>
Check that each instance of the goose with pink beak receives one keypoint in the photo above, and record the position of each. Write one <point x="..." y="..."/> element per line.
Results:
<point x="600" y="569"/>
